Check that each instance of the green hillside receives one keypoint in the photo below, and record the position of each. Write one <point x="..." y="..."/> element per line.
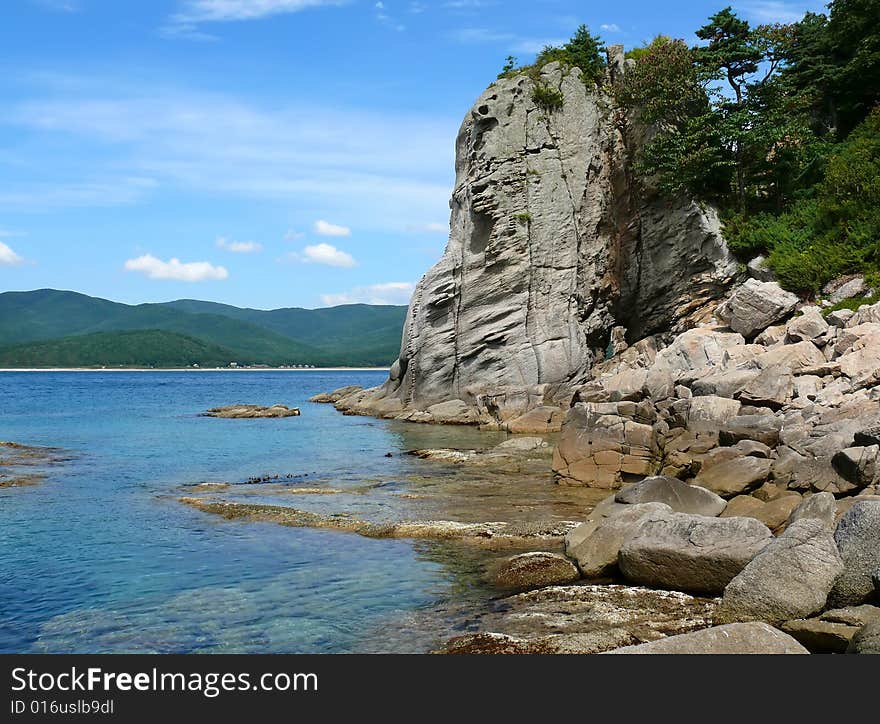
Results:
<point x="352" y="335"/>
<point x="359" y="330"/>
<point x="148" y="348"/>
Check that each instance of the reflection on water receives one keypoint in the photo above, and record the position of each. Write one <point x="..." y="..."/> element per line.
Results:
<point x="102" y="556"/>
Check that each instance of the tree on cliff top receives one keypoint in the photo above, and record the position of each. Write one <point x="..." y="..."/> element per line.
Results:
<point x="585" y="51"/>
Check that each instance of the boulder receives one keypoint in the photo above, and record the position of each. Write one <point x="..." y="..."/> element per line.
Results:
<point x="696" y="351"/>
<point x="679" y="496"/>
<point x="858" y="465"/>
<point x="868" y="436"/>
<point x="821" y="637"/>
<point x="597" y="554"/>
<point x="711" y="409"/>
<point x="761" y="428"/>
<point x="604" y="444"/>
<point x="772" y="388"/>
<point x="866" y="641"/>
<point x="808" y="326"/>
<point x="789" y="579"/>
<point x="758" y="269"/>
<point x="853" y="615"/>
<point x="735" y="638"/>
<point x="755" y="306"/>
<point x="736" y="476"/>
<point x="821" y="506"/>
<point x="772" y="513"/>
<point x="839" y="317"/>
<point x="844" y="288"/>
<point x="535" y="570"/>
<point x="799" y="358"/>
<point x="694" y="553"/>
<point x="857" y="536"/>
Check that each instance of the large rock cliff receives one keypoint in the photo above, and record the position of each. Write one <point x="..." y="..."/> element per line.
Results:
<point x="557" y="254"/>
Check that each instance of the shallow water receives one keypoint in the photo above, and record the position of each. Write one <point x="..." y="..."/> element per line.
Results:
<point x="102" y="556"/>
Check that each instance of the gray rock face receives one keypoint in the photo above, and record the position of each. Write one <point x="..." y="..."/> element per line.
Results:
<point x="679" y="496"/>
<point x="755" y="306"/>
<point x="821" y="506"/>
<point x="789" y="579"/>
<point x="857" y="536"/>
<point x="551" y="248"/>
<point x="691" y="552"/>
<point x="597" y="554"/>
<point x="734" y="638"/>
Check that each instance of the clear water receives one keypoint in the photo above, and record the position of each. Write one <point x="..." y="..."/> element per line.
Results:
<point x="102" y="556"/>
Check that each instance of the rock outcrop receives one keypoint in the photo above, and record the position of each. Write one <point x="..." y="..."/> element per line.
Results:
<point x="556" y="254"/>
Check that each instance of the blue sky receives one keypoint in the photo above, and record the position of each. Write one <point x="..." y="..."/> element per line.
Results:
<point x="263" y="153"/>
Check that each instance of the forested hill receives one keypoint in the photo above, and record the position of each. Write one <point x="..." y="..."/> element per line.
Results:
<point x="47" y="328"/>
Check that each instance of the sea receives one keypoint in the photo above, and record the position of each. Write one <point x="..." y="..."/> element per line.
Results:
<point x="103" y="557"/>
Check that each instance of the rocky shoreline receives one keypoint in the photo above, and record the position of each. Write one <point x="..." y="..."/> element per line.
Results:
<point x="742" y="463"/>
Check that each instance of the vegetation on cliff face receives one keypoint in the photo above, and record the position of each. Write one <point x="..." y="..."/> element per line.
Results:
<point x="778" y="125"/>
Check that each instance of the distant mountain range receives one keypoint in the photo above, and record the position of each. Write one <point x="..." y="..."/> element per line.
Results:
<point x="50" y="328"/>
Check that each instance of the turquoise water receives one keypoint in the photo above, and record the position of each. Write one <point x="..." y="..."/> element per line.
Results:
<point x="102" y="556"/>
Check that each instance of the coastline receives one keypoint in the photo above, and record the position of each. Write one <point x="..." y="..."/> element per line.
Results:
<point x="191" y="369"/>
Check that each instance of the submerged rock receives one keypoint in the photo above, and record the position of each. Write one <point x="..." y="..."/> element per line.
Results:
<point x="535" y="570"/>
<point x="236" y="412"/>
<point x="583" y="619"/>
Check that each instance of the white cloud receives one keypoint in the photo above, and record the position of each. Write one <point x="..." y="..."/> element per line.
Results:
<point x="536" y="45"/>
<point x="198" y="11"/>
<point x="196" y="271"/>
<point x="778" y="11"/>
<point x="325" y="254"/>
<point x="432" y="227"/>
<point x="8" y="257"/>
<point x="293" y="235"/>
<point x="325" y="228"/>
<point x="238" y="247"/>
<point x="99" y="193"/>
<point x="387" y="293"/>
<point x="610" y="27"/>
<point x="336" y="161"/>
